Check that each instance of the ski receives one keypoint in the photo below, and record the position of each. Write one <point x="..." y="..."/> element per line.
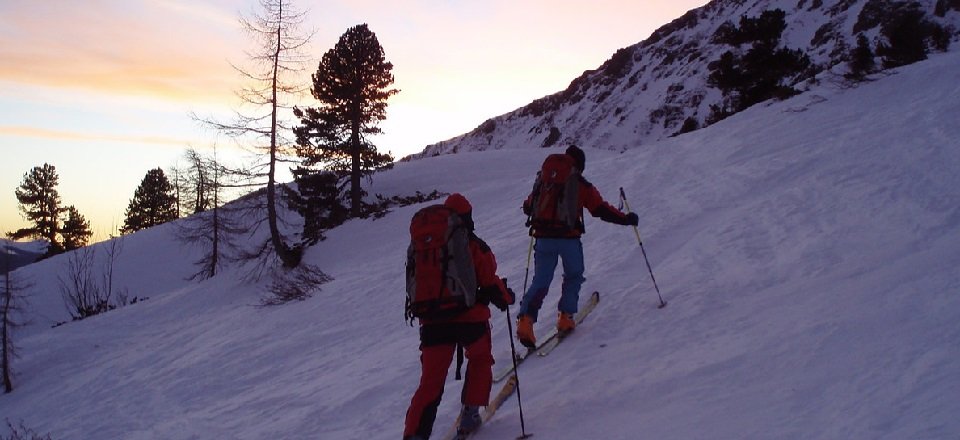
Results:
<point x="508" y="370"/>
<point x="505" y="392"/>
<point x="550" y="340"/>
<point x="587" y="308"/>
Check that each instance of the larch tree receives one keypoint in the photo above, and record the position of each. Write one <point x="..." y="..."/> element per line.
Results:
<point x="12" y="303"/>
<point x="352" y="82"/>
<point x="210" y="228"/>
<point x="271" y="86"/>
<point x="192" y="184"/>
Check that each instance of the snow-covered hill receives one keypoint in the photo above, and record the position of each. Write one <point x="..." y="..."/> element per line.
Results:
<point x="808" y="250"/>
<point x="648" y="91"/>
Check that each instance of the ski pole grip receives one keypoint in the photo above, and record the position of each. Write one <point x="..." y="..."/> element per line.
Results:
<point x="623" y="197"/>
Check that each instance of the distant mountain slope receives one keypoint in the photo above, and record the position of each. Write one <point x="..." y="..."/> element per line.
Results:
<point x="649" y="91"/>
<point x="18" y="254"/>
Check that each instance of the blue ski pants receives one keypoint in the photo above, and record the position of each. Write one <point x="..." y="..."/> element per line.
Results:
<point x="545" y="255"/>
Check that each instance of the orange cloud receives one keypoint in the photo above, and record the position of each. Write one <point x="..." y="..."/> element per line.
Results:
<point x="44" y="133"/>
<point x="160" y="48"/>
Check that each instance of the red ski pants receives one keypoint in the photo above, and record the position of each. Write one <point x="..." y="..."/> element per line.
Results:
<point x="436" y="354"/>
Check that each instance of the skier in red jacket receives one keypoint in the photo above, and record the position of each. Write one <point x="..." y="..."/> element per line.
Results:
<point x="557" y="240"/>
<point x="471" y="331"/>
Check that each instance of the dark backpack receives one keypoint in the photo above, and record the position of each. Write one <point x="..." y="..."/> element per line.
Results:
<point x="554" y="207"/>
<point x="441" y="279"/>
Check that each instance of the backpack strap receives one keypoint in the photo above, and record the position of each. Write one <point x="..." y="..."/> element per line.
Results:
<point x="408" y="312"/>
<point x="459" y="361"/>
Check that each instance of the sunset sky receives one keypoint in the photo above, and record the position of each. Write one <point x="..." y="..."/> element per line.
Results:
<point x="104" y="89"/>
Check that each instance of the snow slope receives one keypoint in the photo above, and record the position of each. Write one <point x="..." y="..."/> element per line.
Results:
<point x="808" y="250"/>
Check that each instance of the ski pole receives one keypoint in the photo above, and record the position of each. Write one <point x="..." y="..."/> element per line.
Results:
<point x="623" y="198"/>
<point x="516" y="376"/>
<point x="526" y="273"/>
<point x="513" y="347"/>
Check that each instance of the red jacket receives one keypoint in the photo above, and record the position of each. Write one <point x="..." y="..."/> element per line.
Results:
<point x="485" y="265"/>
<point x="589" y="198"/>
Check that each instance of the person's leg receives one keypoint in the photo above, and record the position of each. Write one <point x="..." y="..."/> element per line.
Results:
<point x="478" y="380"/>
<point x="571" y="252"/>
<point x="545" y="263"/>
<point x="479" y="377"/>
<point x="435" y="361"/>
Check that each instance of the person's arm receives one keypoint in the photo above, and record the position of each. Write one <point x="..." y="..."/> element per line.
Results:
<point x="601" y="209"/>
<point x="492" y="288"/>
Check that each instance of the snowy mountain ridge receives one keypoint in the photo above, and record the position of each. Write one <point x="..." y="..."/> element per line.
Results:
<point x="654" y="89"/>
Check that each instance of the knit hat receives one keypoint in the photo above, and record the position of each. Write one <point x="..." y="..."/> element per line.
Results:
<point x="577" y="154"/>
<point x="458" y="203"/>
<point x="461" y="206"/>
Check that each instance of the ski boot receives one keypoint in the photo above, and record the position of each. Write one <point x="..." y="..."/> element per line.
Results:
<point x="565" y="322"/>
<point x="525" y="331"/>
<point x="469" y="419"/>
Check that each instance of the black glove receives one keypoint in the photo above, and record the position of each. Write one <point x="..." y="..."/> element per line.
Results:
<point x="498" y="301"/>
<point x="632" y="219"/>
<point x="513" y="296"/>
<point x="486" y="294"/>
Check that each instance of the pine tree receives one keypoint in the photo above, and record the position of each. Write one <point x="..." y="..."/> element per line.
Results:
<point x="765" y="71"/>
<point x="861" y="60"/>
<point x="76" y="229"/>
<point x="906" y="32"/>
<point x="153" y="203"/>
<point x="317" y="199"/>
<point x="40" y="204"/>
<point x="352" y="83"/>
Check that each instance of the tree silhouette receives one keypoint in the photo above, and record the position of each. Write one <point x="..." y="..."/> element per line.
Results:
<point x="861" y="60"/>
<point x="75" y="230"/>
<point x="40" y="204"/>
<point x="352" y="83"/>
<point x="12" y="303"/>
<point x="192" y="183"/>
<point x="153" y="203"/>
<point x="908" y="33"/>
<point x="211" y="229"/>
<point x="764" y="71"/>
<point x="272" y="80"/>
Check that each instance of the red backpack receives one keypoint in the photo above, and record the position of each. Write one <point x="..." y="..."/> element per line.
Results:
<point x="554" y="207"/>
<point x="441" y="279"/>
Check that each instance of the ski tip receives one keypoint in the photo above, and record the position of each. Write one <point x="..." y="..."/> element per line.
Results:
<point x="662" y="305"/>
<point x="527" y="435"/>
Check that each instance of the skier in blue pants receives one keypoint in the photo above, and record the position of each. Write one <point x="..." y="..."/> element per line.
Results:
<point x="555" y="209"/>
